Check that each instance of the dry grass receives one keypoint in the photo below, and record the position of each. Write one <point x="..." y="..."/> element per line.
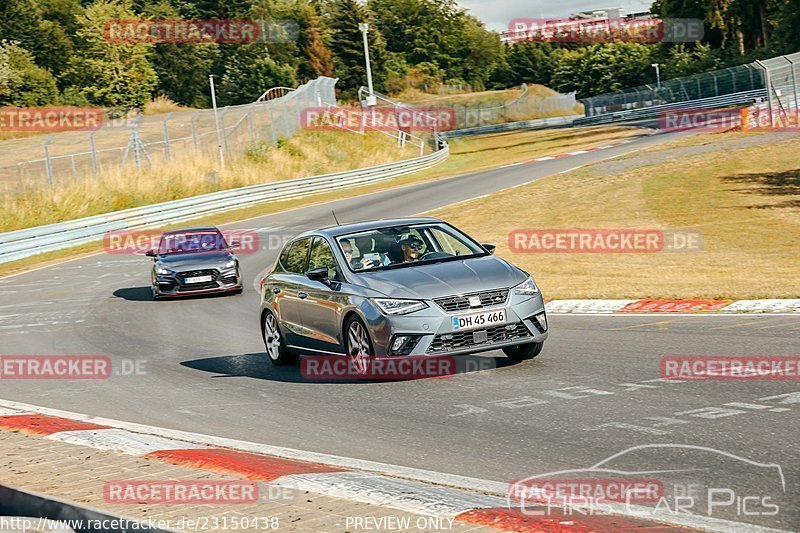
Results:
<point x="745" y="202"/>
<point x="306" y="154"/>
<point x="160" y="105"/>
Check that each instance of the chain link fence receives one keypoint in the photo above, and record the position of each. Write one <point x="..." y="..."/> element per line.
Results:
<point x="122" y="144"/>
<point x="781" y="76"/>
<point x="733" y="80"/>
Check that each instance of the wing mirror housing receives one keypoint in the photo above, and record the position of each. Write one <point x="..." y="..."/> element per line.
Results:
<point x="318" y="274"/>
<point x="489" y="247"/>
<point x="150" y="253"/>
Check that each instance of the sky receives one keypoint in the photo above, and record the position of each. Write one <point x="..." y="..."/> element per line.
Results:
<point x="496" y="14"/>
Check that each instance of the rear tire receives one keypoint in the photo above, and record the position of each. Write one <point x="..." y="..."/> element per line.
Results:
<point x="523" y="352"/>
<point x="277" y="353"/>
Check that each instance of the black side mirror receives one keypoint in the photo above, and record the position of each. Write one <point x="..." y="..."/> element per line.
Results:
<point x="150" y="253"/>
<point x="318" y="274"/>
<point x="489" y="247"/>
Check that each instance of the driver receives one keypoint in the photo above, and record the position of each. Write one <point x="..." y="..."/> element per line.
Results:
<point x="412" y="248"/>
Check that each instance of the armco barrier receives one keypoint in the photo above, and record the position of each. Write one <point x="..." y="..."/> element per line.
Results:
<point x="537" y="124"/>
<point x="19" y="503"/>
<point x="24" y="243"/>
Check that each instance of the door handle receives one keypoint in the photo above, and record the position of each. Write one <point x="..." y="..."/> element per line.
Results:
<point x="302" y="295"/>
<point x="276" y="290"/>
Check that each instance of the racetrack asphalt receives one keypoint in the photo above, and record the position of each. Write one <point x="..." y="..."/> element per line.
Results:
<point x="594" y="392"/>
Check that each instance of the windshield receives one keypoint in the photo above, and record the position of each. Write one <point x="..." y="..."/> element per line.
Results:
<point x="194" y="242"/>
<point x="406" y="246"/>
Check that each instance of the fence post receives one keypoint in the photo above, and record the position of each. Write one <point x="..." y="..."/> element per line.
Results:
<point x="194" y="131"/>
<point x="768" y="85"/>
<point x="166" y="136"/>
<point x="222" y="128"/>
<point x="95" y="166"/>
<point x="271" y="122"/>
<point x="48" y="164"/>
<point x="794" y="84"/>
<point x="250" y="124"/>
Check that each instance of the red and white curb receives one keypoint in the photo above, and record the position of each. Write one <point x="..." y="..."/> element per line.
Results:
<point x="685" y="306"/>
<point x="460" y="498"/>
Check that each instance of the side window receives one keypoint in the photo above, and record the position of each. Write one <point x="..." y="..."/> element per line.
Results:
<point x="322" y="255"/>
<point x="296" y="258"/>
<point x="450" y="244"/>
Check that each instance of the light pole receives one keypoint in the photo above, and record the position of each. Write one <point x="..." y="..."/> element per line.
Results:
<point x="216" y="123"/>
<point x="658" y="74"/>
<point x="364" y="27"/>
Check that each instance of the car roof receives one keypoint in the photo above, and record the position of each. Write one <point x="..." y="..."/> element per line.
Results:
<point x="345" y="229"/>
<point x="191" y="230"/>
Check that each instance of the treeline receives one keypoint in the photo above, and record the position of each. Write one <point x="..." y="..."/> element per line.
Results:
<point x="57" y="51"/>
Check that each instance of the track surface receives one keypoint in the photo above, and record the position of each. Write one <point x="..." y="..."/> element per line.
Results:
<point x="591" y="393"/>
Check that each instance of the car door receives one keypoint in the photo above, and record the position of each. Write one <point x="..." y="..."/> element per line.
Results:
<point x="286" y="287"/>
<point x="323" y="305"/>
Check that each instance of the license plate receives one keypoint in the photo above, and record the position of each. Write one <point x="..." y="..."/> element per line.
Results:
<point x="480" y="320"/>
<point x="197" y="279"/>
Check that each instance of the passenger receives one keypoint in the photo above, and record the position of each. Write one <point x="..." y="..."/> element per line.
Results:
<point x="358" y="264"/>
<point x="412" y="248"/>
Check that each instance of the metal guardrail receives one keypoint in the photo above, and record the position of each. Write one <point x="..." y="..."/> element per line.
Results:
<point x="24" y="243"/>
<point x="724" y="101"/>
<point x="540" y="123"/>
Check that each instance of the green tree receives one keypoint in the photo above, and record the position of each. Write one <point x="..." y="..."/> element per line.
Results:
<point x="22" y="82"/>
<point x="249" y="72"/>
<point x="112" y="74"/>
<point x="602" y="68"/>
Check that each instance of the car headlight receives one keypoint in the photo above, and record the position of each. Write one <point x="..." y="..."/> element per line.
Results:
<point x="399" y="307"/>
<point x="230" y="264"/>
<point x="527" y="287"/>
<point x="161" y="271"/>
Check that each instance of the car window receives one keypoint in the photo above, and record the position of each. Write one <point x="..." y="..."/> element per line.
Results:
<point x="322" y="255"/>
<point x="450" y="244"/>
<point x="296" y="258"/>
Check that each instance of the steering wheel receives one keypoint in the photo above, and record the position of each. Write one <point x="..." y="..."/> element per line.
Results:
<point x="434" y="255"/>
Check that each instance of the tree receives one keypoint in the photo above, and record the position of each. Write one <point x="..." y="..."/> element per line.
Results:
<point x="112" y="74"/>
<point x="602" y="68"/>
<point x="249" y="72"/>
<point x="22" y="82"/>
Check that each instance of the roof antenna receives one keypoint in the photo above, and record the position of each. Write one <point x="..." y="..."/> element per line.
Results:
<point x="334" y="217"/>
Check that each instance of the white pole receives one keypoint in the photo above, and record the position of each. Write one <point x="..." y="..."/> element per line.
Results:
<point x="216" y="122"/>
<point x="364" y="27"/>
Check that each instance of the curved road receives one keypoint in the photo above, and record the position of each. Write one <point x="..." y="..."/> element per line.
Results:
<point x="592" y="393"/>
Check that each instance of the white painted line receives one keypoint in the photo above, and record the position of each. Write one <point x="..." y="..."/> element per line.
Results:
<point x="122" y="441"/>
<point x="571" y="169"/>
<point x="579" y="152"/>
<point x="512" y="165"/>
<point x="544" y="158"/>
<point x="5" y="411"/>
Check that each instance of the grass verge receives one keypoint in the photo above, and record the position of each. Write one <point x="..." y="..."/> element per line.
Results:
<point x="744" y="199"/>
<point x="467" y="155"/>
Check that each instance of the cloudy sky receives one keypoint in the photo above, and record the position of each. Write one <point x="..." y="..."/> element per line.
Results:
<point x="497" y="13"/>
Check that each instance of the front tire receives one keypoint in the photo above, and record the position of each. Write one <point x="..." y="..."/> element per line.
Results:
<point x="358" y="345"/>
<point x="277" y="352"/>
<point x="523" y="352"/>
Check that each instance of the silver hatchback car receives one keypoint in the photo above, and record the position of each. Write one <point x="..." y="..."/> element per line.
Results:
<point x="395" y="288"/>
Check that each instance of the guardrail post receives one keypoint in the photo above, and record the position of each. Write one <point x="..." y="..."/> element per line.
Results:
<point x="48" y="164"/>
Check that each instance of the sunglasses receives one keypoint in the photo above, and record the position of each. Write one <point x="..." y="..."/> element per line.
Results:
<point x="416" y="245"/>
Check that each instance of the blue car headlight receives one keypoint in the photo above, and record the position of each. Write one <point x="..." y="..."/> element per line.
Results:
<point x="526" y="288"/>
<point x="392" y="306"/>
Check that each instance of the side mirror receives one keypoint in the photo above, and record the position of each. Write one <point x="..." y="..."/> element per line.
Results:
<point x="235" y="244"/>
<point x="318" y="274"/>
<point x="489" y="247"/>
<point x="150" y="253"/>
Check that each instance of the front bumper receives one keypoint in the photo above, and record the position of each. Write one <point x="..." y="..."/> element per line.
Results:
<point x="436" y="335"/>
<point x="173" y="285"/>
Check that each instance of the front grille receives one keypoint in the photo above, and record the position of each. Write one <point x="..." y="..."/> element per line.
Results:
<point x="464" y="339"/>
<point x="182" y="286"/>
<point x="460" y="302"/>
